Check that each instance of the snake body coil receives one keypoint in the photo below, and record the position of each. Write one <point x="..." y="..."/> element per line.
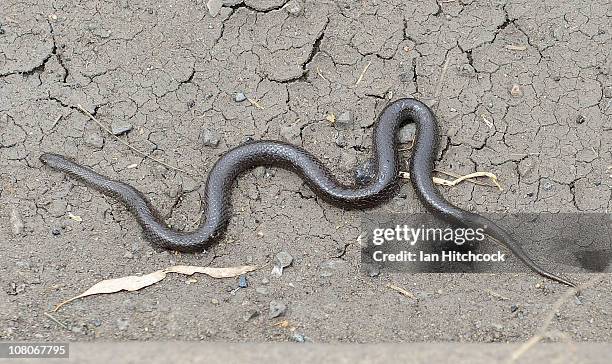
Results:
<point x="217" y="209"/>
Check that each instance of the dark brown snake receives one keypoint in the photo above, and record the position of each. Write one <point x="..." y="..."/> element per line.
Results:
<point x="384" y="184"/>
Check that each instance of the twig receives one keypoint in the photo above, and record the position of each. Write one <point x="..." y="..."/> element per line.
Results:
<point x="401" y="290"/>
<point x="255" y="103"/>
<point x="363" y="73"/>
<point x="63" y="325"/>
<point x="497" y="295"/>
<point x="321" y="74"/>
<point x="57" y="120"/>
<point x="440" y="82"/>
<point x="514" y="47"/>
<point x="487" y="121"/>
<point x="146" y="155"/>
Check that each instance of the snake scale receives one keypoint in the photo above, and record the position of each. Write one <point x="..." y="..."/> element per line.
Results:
<point x="383" y="185"/>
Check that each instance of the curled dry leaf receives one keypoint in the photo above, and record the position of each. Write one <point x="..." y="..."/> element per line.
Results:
<point x="458" y="179"/>
<point x="134" y="283"/>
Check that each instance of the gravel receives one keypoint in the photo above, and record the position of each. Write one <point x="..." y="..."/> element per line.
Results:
<point x="277" y="309"/>
<point x="294" y="8"/>
<point x="345" y="120"/>
<point x="240" y="97"/>
<point x="281" y="261"/>
<point x="210" y="138"/>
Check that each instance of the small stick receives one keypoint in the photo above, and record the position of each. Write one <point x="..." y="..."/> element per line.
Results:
<point x="321" y="74"/>
<point x="56" y="321"/>
<point x="255" y="103"/>
<point x="146" y="155"/>
<point x="440" y="82"/>
<point x="363" y="73"/>
<point x="513" y="47"/>
<point x="59" y="117"/>
<point x="401" y="290"/>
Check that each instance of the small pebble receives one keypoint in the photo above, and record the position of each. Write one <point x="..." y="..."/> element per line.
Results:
<point x="277" y="309"/>
<point x="96" y="322"/>
<point x="240" y="97"/>
<point x="345" y="120"/>
<point x="214" y="301"/>
<point x="242" y="282"/>
<point x="516" y="91"/>
<point x="577" y="300"/>
<point x="209" y="138"/>
<point x="281" y="261"/>
<point x="122" y="324"/>
<point x="580" y="119"/>
<point x="406" y="134"/>
<point x="298" y="338"/>
<point x="294" y="7"/>
<point x="513" y="308"/>
<point x="56" y="231"/>
<point x="120" y="127"/>
<point x="214" y="6"/>
<point x="265" y="280"/>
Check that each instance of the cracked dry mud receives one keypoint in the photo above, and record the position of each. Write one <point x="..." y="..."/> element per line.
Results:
<point x="172" y="70"/>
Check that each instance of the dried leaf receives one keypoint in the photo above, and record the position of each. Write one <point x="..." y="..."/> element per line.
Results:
<point x="134" y="283"/>
<point x="458" y="179"/>
<point x="212" y="272"/>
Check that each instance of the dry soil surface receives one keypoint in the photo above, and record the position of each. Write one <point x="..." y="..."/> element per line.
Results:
<point x="521" y="89"/>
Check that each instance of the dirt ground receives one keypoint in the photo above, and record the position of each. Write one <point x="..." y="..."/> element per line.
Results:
<point x="521" y="89"/>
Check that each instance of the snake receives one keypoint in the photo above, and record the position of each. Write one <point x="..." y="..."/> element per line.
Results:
<point x="383" y="185"/>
